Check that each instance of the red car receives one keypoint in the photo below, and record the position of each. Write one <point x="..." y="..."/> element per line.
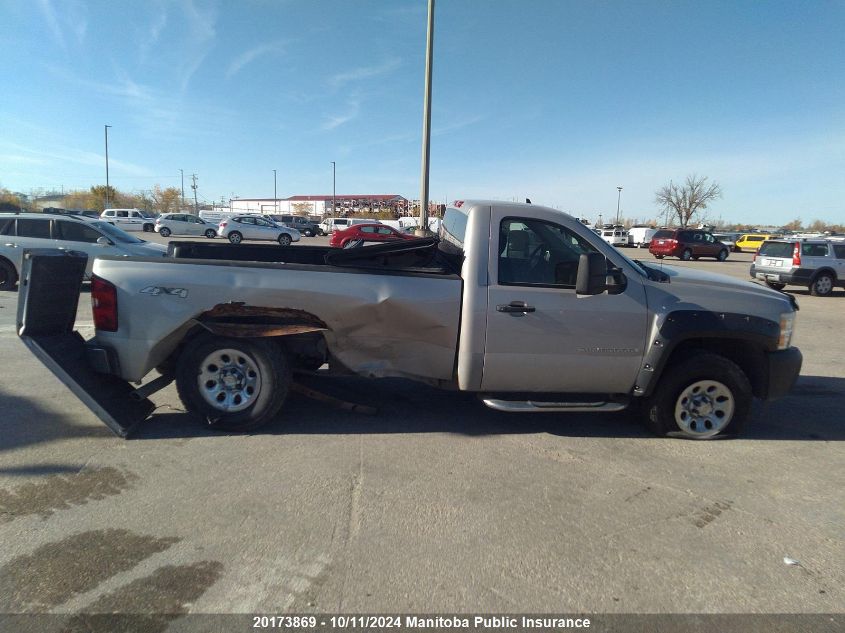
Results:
<point x="687" y="244"/>
<point x="368" y="233"/>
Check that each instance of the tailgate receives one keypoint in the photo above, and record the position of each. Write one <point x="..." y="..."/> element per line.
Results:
<point x="50" y="284"/>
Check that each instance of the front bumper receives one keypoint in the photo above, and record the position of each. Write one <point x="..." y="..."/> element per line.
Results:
<point x="783" y="369"/>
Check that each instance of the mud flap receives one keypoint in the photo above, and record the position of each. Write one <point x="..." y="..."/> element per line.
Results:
<point x="48" y="298"/>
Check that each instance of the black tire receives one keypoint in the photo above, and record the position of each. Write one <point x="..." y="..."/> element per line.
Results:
<point x="722" y="256"/>
<point x="308" y="233"/>
<point x="686" y="255"/>
<point x="261" y="355"/>
<point x="164" y="231"/>
<point x="8" y="275"/>
<point x="149" y="228"/>
<point x="702" y="369"/>
<point x="320" y="232"/>
<point x="235" y="237"/>
<point x="658" y="257"/>
<point x="775" y="285"/>
<point x="284" y="239"/>
<point x="210" y="233"/>
<point x="822" y="285"/>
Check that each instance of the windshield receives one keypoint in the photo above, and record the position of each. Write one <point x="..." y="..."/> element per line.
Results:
<point x="116" y="234"/>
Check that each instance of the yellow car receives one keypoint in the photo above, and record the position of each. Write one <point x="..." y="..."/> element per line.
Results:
<point x="752" y="241"/>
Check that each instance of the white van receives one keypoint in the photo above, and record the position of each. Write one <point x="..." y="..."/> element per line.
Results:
<point x="329" y="225"/>
<point x="615" y="236"/>
<point x="640" y="236"/>
<point x="129" y="219"/>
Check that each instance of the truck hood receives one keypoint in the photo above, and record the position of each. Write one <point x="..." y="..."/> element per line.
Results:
<point x="147" y="249"/>
<point x="690" y="289"/>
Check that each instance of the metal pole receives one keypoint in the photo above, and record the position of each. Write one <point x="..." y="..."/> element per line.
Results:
<point x="618" y="200"/>
<point x="333" y="189"/>
<point x="107" y="166"/>
<point x="275" y="201"/>
<point x="182" y="206"/>
<point x="429" y="52"/>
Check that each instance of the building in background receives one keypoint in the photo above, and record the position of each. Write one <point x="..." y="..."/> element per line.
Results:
<point x="321" y="205"/>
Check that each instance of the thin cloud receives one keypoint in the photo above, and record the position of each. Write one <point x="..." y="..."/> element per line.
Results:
<point x="365" y="72"/>
<point x="456" y="125"/>
<point x="337" y="120"/>
<point x="201" y="38"/>
<point x="72" y="21"/>
<point x="251" y="55"/>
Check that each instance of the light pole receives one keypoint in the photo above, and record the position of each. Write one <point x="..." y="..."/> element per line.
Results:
<point x="618" y="201"/>
<point x="275" y="203"/>
<point x="429" y="53"/>
<point x="107" y="166"/>
<point x="333" y="189"/>
<point x="181" y="206"/>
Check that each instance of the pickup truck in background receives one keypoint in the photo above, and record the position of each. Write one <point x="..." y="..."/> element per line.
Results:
<point x="519" y="303"/>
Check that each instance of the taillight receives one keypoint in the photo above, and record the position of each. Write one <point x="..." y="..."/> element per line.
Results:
<point x="104" y="304"/>
<point x="754" y="259"/>
<point x="223" y="225"/>
<point x="796" y="254"/>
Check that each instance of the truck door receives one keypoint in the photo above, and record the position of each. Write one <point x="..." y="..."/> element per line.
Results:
<point x="541" y="336"/>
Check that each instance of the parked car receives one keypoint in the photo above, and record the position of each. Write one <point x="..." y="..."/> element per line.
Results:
<point x="330" y="225"/>
<point x="519" y="303"/>
<point x="752" y="241"/>
<point x="615" y="236"/>
<point x="367" y="233"/>
<point x="129" y="219"/>
<point x="729" y="239"/>
<point x="42" y="230"/>
<point x="640" y="236"/>
<point x="253" y="227"/>
<point x="817" y="264"/>
<point x="687" y="244"/>
<point x="168" y="224"/>
<point x="302" y="224"/>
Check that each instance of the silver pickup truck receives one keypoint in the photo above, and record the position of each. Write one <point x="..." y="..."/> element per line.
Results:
<point x="518" y="303"/>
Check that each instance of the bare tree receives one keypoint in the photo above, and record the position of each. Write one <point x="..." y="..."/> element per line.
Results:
<point x="687" y="200"/>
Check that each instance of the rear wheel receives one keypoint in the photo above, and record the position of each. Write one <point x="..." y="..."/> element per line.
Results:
<point x="308" y="233"/>
<point x="210" y="233"/>
<point x="8" y="275"/>
<point x="235" y="237"/>
<point x="164" y="231"/>
<point x="234" y="384"/>
<point x="722" y="256"/>
<point x="702" y="397"/>
<point x="658" y="257"/>
<point x="822" y="285"/>
<point x="686" y="255"/>
<point x="284" y="239"/>
<point x="775" y="285"/>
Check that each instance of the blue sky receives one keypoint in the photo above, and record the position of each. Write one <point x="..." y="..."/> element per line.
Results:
<point x="556" y="100"/>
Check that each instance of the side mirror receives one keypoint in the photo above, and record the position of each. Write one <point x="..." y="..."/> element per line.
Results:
<point x="104" y="241"/>
<point x="592" y="274"/>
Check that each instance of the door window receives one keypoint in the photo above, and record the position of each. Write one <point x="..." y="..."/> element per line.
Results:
<point x="384" y="230"/>
<point x="839" y="249"/>
<point x="34" y="228"/>
<point x="7" y="226"/>
<point x="533" y="252"/>
<point x="368" y="229"/>
<point x="810" y="250"/>
<point x="77" y="232"/>
<point x="123" y="214"/>
<point x="246" y="220"/>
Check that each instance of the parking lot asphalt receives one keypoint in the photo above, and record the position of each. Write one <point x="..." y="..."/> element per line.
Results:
<point x="434" y="504"/>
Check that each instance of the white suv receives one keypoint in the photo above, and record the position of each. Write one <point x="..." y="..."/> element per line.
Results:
<point x="254" y="227"/>
<point x="129" y="219"/>
<point x="818" y="264"/>
<point x="19" y="232"/>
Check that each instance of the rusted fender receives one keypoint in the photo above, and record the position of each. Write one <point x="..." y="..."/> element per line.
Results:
<point x="239" y="320"/>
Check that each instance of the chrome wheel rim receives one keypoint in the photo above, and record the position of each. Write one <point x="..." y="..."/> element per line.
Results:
<point x="229" y="380"/>
<point x="284" y="240"/>
<point x="824" y="285"/>
<point x="234" y="238"/>
<point x="704" y="408"/>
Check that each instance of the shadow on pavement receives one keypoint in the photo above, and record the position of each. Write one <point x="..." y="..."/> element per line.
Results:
<point x="811" y="412"/>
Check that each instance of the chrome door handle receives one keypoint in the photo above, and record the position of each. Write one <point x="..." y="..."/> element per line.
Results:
<point x="516" y="307"/>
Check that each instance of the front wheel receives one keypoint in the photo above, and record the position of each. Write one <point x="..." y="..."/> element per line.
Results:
<point x="686" y="255"/>
<point x="703" y="397"/>
<point x="822" y="285"/>
<point x="8" y="276"/>
<point x="722" y="256"/>
<point x="149" y="228"/>
<point x="164" y="231"/>
<point x="284" y="239"/>
<point x="235" y="237"/>
<point x="658" y="257"/>
<point x="210" y="233"/>
<point x="234" y="384"/>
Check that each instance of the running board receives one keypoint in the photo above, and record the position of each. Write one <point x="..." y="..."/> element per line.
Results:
<point x="540" y="406"/>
